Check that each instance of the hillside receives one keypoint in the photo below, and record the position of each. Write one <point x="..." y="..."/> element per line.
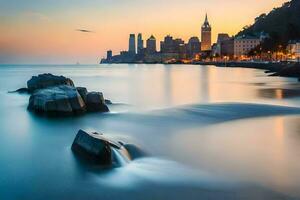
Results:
<point x="282" y="24"/>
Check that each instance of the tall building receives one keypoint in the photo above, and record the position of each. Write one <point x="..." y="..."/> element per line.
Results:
<point x="206" y="35"/>
<point x="193" y="46"/>
<point x="227" y="48"/>
<point x="151" y="45"/>
<point x="132" y="49"/>
<point x="109" y="55"/>
<point x="221" y="37"/>
<point x="140" y="43"/>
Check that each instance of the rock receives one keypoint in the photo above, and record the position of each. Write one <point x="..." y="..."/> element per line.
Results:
<point x="21" y="91"/>
<point x="95" y="102"/>
<point x="83" y="92"/>
<point x="47" y="80"/>
<point x="93" y="147"/>
<point x="59" y="100"/>
<point x="108" y="102"/>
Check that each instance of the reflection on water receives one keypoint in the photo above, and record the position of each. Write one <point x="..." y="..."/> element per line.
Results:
<point x="279" y="93"/>
<point x="198" y="145"/>
<point x="266" y="153"/>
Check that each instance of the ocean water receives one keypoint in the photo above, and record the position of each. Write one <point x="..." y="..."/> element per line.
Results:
<point x="208" y="133"/>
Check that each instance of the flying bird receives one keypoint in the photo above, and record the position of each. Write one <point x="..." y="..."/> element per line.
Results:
<point x="85" y="31"/>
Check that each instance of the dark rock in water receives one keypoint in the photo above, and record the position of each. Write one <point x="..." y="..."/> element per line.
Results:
<point x="95" y="102"/>
<point x="60" y="100"/>
<point x="57" y="95"/>
<point x="108" y="102"/>
<point x="47" y="80"/>
<point x="21" y="91"/>
<point x="93" y="148"/>
<point x="83" y="92"/>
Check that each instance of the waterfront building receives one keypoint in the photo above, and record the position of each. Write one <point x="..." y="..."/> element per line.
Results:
<point x="193" y="47"/>
<point x="206" y="36"/>
<point x="140" y="43"/>
<point x="244" y="44"/>
<point x="151" y="45"/>
<point x="109" y="55"/>
<point x="217" y="48"/>
<point x="293" y="49"/>
<point x="227" y="48"/>
<point x="170" y="45"/>
<point x="132" y="47"/>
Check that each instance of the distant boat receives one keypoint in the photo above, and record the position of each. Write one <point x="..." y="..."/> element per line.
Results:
<point x="77" y="63"/>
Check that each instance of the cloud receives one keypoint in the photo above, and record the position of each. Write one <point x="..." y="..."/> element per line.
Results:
<point x="37" y="15"/>
<point x="84" y="31"/>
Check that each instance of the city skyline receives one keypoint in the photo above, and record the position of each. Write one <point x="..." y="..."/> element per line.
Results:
<point x="35" y="32"/>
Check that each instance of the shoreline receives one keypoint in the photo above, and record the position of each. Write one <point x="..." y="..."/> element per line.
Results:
<point x="283" y="69"/>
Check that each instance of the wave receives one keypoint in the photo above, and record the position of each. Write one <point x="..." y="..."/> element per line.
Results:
<point x="206" y="113"/>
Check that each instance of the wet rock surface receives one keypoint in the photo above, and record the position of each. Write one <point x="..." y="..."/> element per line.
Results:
<point x="93" y="148"/>
<point x="60" y="100"/>
<point x="57" y="95"/>
<point x="47" y="80"/>
<point x="95" y="102"/>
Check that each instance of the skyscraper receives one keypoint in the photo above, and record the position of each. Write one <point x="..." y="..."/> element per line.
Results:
<point x="109" y="55"/>
<point x="151" y="45"/>
<point x="132" y="49"/>
<point x="140" y="43"/>
<point x="206" y="35"/>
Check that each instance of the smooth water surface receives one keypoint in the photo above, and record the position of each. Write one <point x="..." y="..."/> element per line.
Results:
<point x="210" y="133"/>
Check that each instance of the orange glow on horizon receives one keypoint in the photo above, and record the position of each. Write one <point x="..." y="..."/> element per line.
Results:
<point x="52" y="34"/>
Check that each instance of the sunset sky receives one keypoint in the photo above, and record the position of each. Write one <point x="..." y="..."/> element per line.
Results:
<point x="45" y="31"/>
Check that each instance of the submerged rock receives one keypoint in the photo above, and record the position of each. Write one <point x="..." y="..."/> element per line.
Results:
<point x="21" y="91"/>
<point x="93" y="147"/>
<point x="60" y="100"/>
<point x="95" y="102"/>
<point x="96" y="149"/>
<point x="47" y="80"/>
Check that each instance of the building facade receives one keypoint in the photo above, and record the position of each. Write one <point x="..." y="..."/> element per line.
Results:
<point x="293" y="49"/>
<point x="244" y="44"/>
<point x="132" y="47"/>
<point x="140" y="43"/>
<point x="206" y="36"/>
<point x="227" y="48"/>
<point x="109" y="55"/>
<point x="151" y="45"/>
<point x="221" y="37"/>
<point x="193" y="47"/>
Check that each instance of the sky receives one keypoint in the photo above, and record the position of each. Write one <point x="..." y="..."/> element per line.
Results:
<point x="47" y="31"/>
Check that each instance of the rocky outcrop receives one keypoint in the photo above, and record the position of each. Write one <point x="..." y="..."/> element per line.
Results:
<point x="59" y="100"/>
<point x="95" y="102"/>
<point x="93" y="148"/>
<point x="97" y="149"/>
<point x="47" y="80"/>
<point x="57" y="95"/>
